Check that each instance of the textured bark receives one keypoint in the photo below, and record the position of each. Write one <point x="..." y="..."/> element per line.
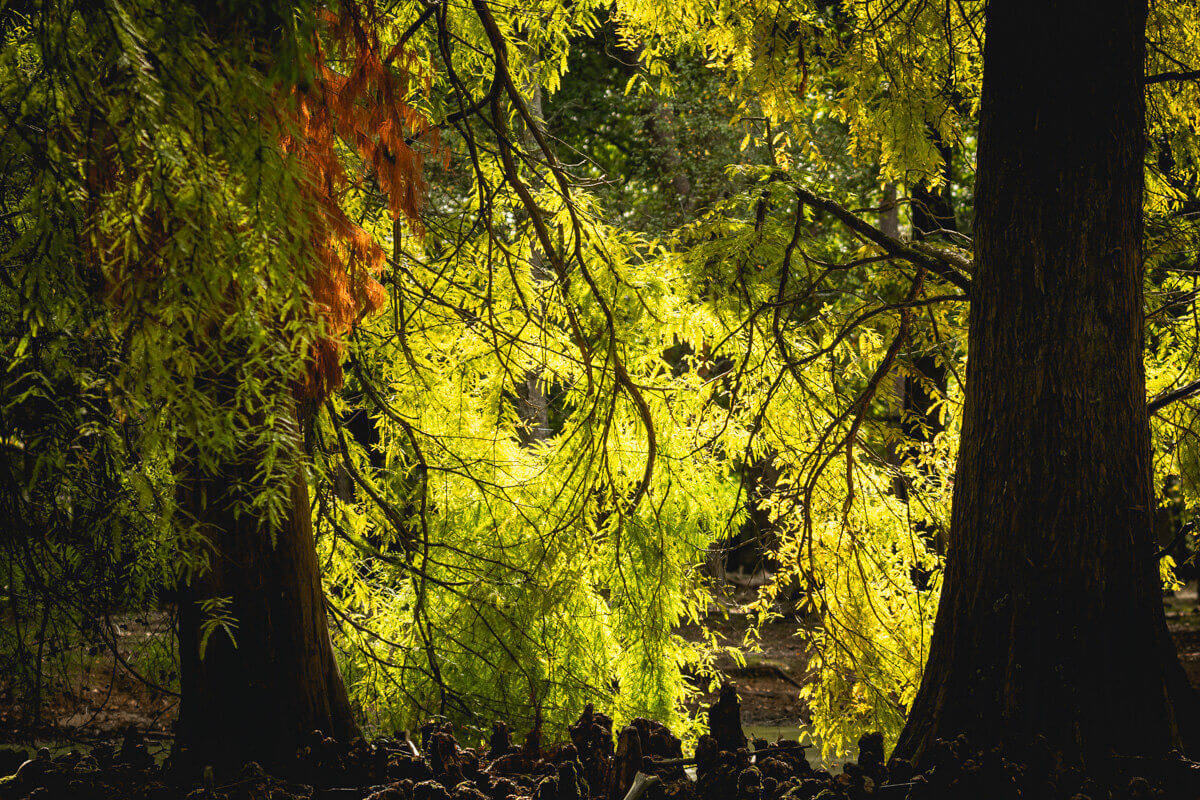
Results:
<point x="626" y="763"/>
<point x="253" y="698"/>
<point x="1050" y="619"/>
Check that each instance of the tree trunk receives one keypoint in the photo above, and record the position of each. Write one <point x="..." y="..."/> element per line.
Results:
<point x="255" y="696"/>
<point x="931" y="214"/>
<point x="532" y="404"/>
<point x="925" y="385"/>
<point x="1051" y="620"/>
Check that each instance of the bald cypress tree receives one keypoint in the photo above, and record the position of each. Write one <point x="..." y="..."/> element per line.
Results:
<point x="1050" y="620"/>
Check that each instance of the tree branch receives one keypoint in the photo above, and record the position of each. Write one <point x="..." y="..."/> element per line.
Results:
<point x="1163" y="77"/>
<point x="1182" y="393"/>
<point x="946" y="264"/>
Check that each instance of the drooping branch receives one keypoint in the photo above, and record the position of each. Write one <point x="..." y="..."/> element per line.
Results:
<point x="555" y="256"/>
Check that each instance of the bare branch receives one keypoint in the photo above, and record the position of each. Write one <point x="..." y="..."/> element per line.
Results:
<point x="947" y="265"/>
<point x="1176" y="75"/>
<point x="1182" y="393"/>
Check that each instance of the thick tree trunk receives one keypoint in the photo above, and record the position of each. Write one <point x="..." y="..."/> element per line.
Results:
<point x="1051" y="620"/>
<point x="254" y="697"/>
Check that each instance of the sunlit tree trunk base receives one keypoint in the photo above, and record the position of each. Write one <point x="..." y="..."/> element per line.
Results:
<point x="1051" y="621"/>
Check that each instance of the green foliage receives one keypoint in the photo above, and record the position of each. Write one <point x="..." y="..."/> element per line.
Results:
<point x="547" y="436"/>
<point x="151" y="296"/>
<point x="528" y="583"/>
<point x="216" y="618"/>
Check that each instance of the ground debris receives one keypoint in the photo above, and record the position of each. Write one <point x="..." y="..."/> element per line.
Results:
<point x="647" y="763"/>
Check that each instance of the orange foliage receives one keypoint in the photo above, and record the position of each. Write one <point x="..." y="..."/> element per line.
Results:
<point x="356" y="101"/>
<point x="363" y="107"/>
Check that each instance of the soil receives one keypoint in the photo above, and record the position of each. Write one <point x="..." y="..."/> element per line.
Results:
<point x="89" y="695"/>
<point x="769" y="682"/>
<point x="1183" y="620"/>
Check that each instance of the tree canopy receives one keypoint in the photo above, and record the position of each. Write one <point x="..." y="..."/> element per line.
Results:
<point x="529" y="299"/>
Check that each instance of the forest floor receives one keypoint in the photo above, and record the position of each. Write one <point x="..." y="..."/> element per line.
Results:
<point x="88" y="698"/>
<point x="1183" y="620"/>
<point x="769" y="682"/>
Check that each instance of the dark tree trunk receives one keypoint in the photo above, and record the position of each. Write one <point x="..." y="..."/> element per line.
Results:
<point x="255" y="697"/>
<point x="1051" y="619"/>
<point x="932" y="213"/>
<point x="925" y="384"/>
